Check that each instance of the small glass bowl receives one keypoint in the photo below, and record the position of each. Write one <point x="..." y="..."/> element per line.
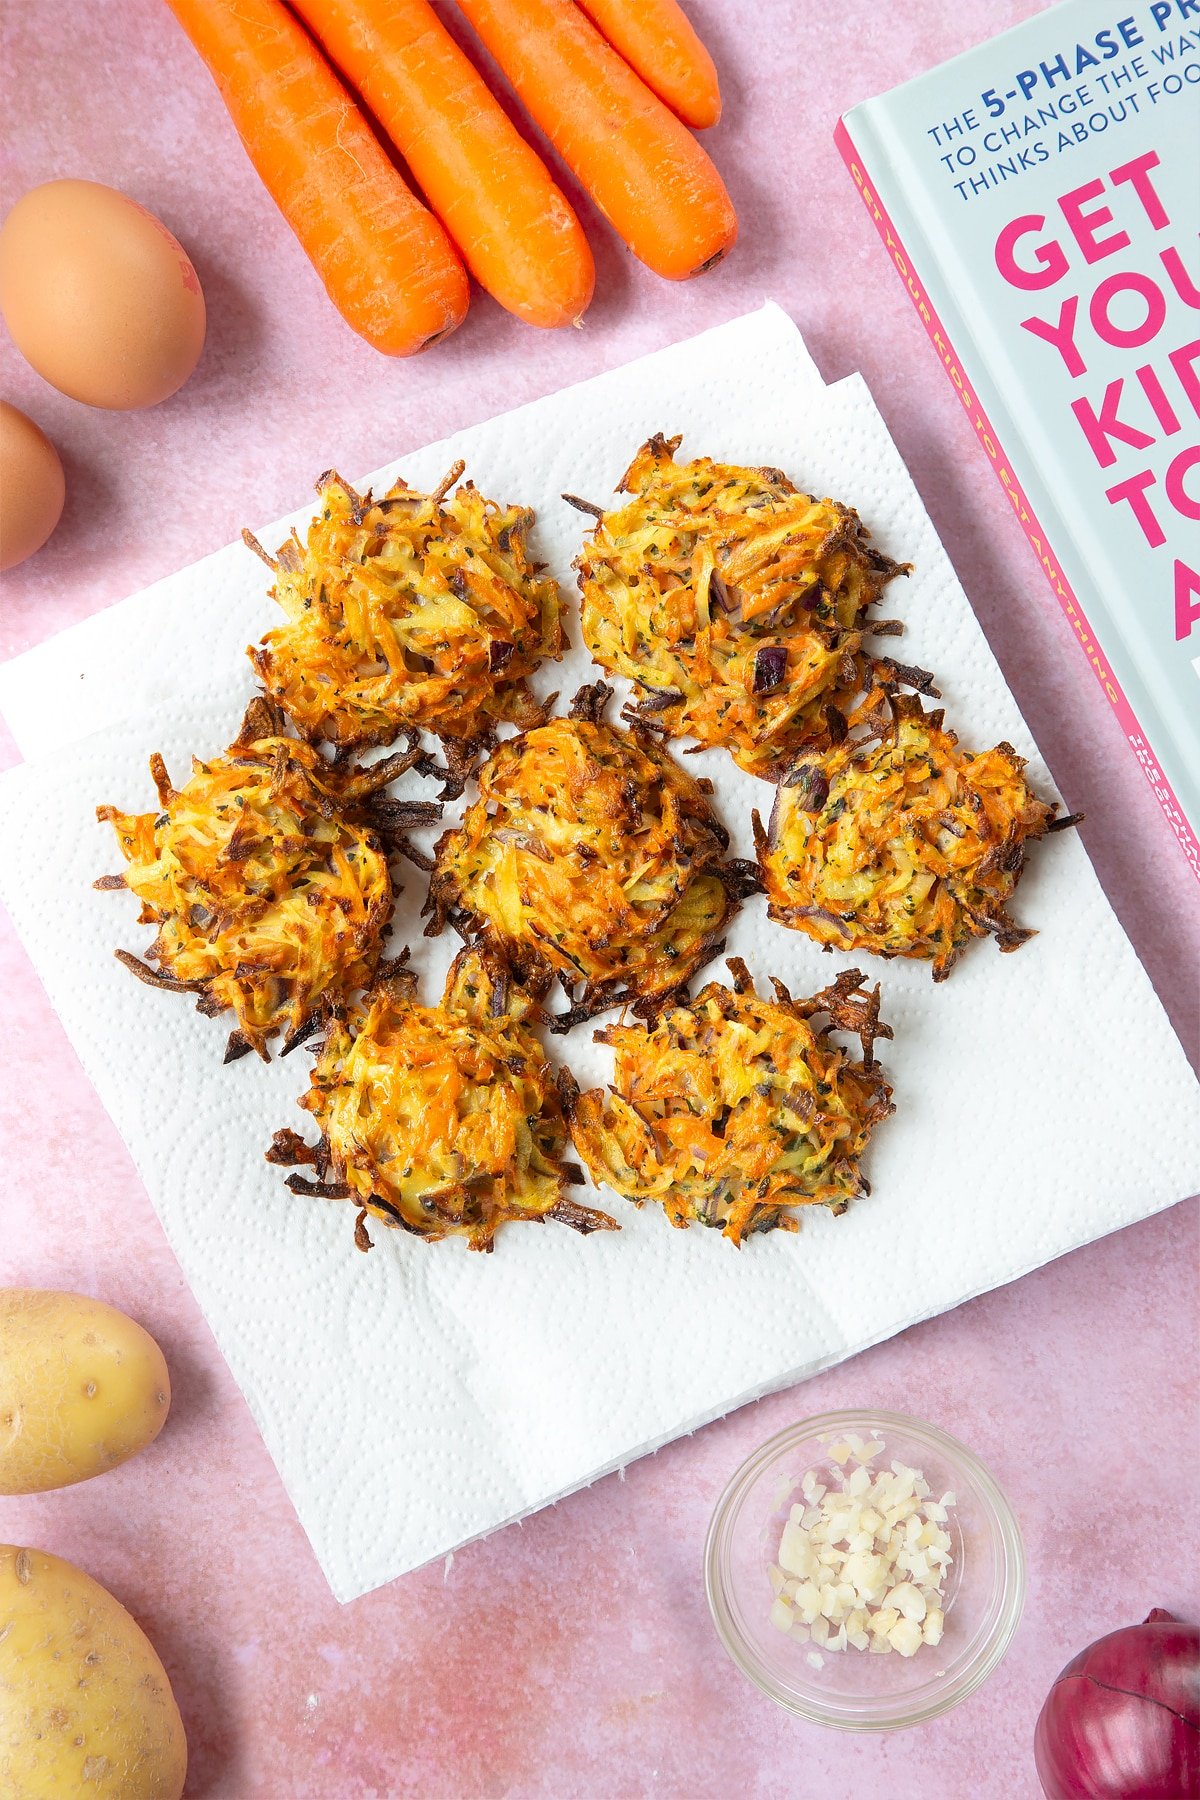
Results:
<point x="855" y="1690"/>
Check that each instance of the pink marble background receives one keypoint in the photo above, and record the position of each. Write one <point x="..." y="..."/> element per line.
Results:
<point x="573" y="1655"/>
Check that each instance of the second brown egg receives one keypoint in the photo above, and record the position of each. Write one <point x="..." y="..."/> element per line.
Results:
<point x="32" y="489"/>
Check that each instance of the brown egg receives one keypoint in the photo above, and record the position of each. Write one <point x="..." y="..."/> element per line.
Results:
<point x="31" y="487"/>
<point x="99" y="296"/>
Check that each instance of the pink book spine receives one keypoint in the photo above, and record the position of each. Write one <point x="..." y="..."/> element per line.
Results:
<point x="1002" y="467"/>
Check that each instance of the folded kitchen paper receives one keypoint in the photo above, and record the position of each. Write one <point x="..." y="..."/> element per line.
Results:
<point x="419" y="1396"/>
<point x="160" y="644"/>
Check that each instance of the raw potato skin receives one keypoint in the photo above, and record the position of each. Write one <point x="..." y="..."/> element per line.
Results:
<point x="85" y="1705"/>
<point x="82" y="1388"/>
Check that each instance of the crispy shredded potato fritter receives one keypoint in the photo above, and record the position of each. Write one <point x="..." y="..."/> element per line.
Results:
<point x="731" y="1108"/>
<point x="267" y="877"/>
<point x="592" y="856"/>
<point x="900" y="842"/>
<point x="737" y="604"/>
<point x="443" y="1121"/>
<point x="410" y="611"/>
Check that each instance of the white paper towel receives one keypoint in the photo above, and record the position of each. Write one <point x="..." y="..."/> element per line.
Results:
<point x="160" y="644"/>
<point x="420" y="1396"/>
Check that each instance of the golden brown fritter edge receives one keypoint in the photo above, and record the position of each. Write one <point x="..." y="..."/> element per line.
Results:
<point x="468" y="615"/>
<point x="632" y="896"/>
<point x="729" y="1109"/>
<point x="471" y="1133"/>
<point x="266" y="813"/>
<point x="898" y="842"/>
<point x="736" y="604"/>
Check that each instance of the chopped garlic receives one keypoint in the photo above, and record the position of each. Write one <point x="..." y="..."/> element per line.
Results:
<point x="905" y="1637"/>
<point x="782" y="1489"/>
<point x="795" y="1552"/>
<point x="863" y="1557"/>
<point x="808" y="1601"/>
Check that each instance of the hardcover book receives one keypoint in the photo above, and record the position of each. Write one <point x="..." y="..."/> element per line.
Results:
<point x="1040" y="199"/>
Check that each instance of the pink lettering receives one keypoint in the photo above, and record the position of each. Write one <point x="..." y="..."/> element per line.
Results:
<point x="1134" y="491"/>
<point x="1156" y="394"/>
<point x="1188" y="505"/>
<point x="1187" y="599"/>
<point x="1137" y="174"/>
<point x="1052" y="263"/>
<point x="1062" y="335"/>
<point x="1181" y="281"/>
<point x="1184" y="361"/>
<point x="1103" y="427"/>
<point x="1130" y="337"/>
<point x="1084" y="226"/>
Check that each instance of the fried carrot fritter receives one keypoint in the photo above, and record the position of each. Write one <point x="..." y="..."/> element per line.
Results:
<point x="443" y="1121"/>
<point x="267" y="876"/>
<point x="732" y="1109"/>
<point x="901" y="842"/>
<point x="592" y="856"/>
<point x="410" y="611"/>
<point x="736" y="604"/>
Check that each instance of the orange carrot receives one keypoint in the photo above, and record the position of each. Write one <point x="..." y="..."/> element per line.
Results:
<point x="654" y="184"/>
<point x="491" y="190"/>
<point x="386" y="263"/>
<point x="658" y="42"/>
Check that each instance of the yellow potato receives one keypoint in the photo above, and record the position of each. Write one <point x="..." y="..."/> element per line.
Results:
<point x="85" y="1704"/>
<point x="81" y="1389"/>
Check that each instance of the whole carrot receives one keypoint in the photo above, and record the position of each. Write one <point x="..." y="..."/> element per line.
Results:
<point x="386" y="263"/>
<point x="654" y="184"/>
<point x="491" y="190"/>
<point x="657" y="40"/>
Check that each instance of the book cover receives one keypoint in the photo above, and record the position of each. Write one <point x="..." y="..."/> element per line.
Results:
<point x="1040" y="199"/>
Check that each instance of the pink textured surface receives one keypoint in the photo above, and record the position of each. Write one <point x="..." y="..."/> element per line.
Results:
<point x="572" y="1655"/>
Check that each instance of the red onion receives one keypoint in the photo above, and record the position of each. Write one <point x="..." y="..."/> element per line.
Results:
<point x="1122" y="1722"/>
<point x="811" y="785"/>
<point x="770" y="667"/>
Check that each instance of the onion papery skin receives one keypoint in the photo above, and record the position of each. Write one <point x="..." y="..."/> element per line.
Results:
<point x="1122" y="1721"/>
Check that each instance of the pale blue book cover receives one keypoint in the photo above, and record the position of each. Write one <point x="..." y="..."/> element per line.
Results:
<point x="1040" y="197"/>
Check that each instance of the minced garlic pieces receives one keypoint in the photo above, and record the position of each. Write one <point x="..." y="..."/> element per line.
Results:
<point x="861" y="1564"/>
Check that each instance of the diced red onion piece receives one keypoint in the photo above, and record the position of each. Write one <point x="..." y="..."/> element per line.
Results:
<point x="770" y="667"/>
